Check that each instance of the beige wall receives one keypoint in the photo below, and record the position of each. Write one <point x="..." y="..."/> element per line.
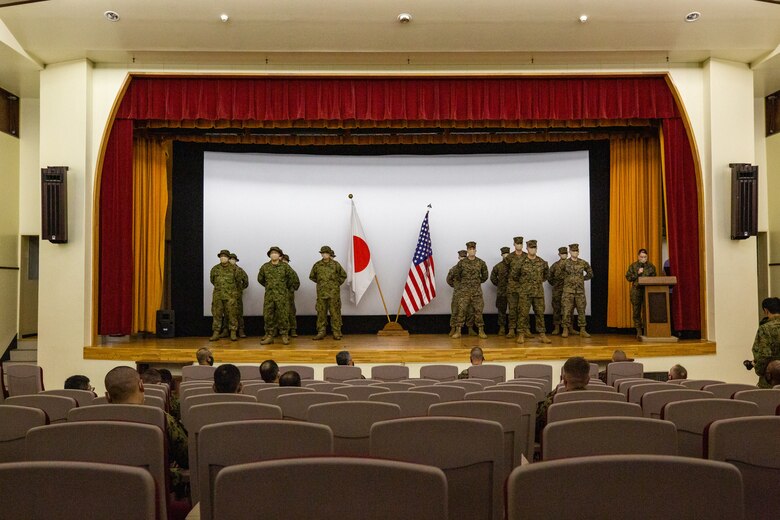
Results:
<point x="9" y="237"/>
<point x="76" y="100"/>
<point x="773" y="194"/>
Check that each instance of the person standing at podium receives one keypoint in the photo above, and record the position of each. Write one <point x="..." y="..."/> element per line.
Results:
<point x="636" y="271"/>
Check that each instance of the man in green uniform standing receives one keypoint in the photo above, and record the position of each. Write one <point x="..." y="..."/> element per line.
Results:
<point x="296" y="284"/>
<point x="223" y="301"/>
<point x="576" y="271"/>
<point x="513" y="296"/>
<point x="472" y="273"/>
<point x="329" y="276"/>
<point x="242" y="282"/>
<point x="456" y="296"/>
<point x="636" y="271"/>
<point x="277" y="278"/>
<point x="766" y="346"/>
<point x="531" y="275"/>
<point x="555" y="278"/>
<point x="499" y="276"/>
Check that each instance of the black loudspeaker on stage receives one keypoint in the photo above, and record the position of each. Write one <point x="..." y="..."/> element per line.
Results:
<point x="166" y="323"/>
<point x="54" y="204"/>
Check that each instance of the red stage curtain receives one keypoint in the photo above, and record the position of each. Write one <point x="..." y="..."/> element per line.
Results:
<point x="116" y="232"/>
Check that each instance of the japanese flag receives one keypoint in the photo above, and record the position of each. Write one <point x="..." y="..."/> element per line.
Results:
<point x="360" y="272"/>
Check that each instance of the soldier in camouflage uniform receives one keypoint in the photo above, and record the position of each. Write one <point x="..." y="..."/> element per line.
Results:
<point x="513" y="296"/>
<point x="766" y="346"/>
<point x="555" y="278"/>
<point x="471" y="272"/>
<point x="291" y="316"/>
<point x="456" y="296"/>
<point x="242" y="282"/>
<point x="499" y="276"/>
<point x="277" y="278"/>
<point x="636" y="271"/>
<point x="531" y="274"/>
<point x="576" y="272"/>
<point x="223" y="301"/>
<point x="329" y="276"/>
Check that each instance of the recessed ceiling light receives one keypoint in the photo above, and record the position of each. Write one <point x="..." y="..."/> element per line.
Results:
<point x="692" y="16"/>
<point x="583" y="18"/>
<point x="111" y="16"/>
<point x="404" y="17"/>
<point x="224" y="17"/>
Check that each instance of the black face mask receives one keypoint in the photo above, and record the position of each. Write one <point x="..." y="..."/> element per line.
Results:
<point x="210" y="361"/>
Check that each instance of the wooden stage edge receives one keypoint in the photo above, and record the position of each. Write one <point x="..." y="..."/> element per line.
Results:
<point x="369" y="348"/>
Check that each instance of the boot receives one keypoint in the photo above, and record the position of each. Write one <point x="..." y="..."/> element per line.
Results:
<point x="481" y="333"/>
<point x="452" y="331"/>
<point x="501" y="330"/>
<point x="224" y="333"/>
<point x="293" y="333"/>
<point x="472" y="331"/>
<point x="584" y="333"/>
<point x="556" y="330"/>
<point x="233" y="336"/>
<point x="285" y="339"/>
<point x="544" y="339"/>
<point x="267" y="340"/>
<point x="337" y="335"/>
<point x="214" y="336"/>
<point x="510" y="334"/>
<point x="565" y="333"/>
<point x="241" y="333"/>
<point x="457" y="333"/>
<point x="638" y="331"/>
<point x="520" y="339"/>
<point x="320" y="335"/>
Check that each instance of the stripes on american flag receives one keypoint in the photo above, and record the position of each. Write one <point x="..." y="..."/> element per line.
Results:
<point x="420" y="286"/>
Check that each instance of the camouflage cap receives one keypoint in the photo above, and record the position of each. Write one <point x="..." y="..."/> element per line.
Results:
<point x="517" y="240"/>
<point x="470" y="245"/>
<point x="234" y="256"/>
<point x="562" y="250"/>
<point x="224" y="252"/>
<point x="504" y="250"/>
<point x="462" y="253"/>
<point x="275" y="248"/>
<point x="286" y="257"/>
<point x="574" y="247"/>
<point x="530" y="243"/>
<point x="327" y="249"/>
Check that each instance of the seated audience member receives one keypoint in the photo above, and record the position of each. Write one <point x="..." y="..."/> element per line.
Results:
<point x="173" y="397"/>
<point x="227" y="379"/>
<point x="476" y="357"/>
<point x="772" y="374"/>
<point x="344" y="358"/>
<point x="576" y="376"/>
<point x="269" y="371"/>
<point x="204" y="357"/>
<point x="617" y="355"/>
<point x="677" y="372"/>
<point x="124" y="386"/>
<point x="290" y="378"/>
<point x="151" y="376"/>
<point x="79" y="382"/>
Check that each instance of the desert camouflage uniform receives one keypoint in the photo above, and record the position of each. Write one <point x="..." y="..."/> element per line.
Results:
<point x="223" y="301"/>
<point x="576" y="272"/>
<point x="499" y="276"/>
<point x="637" y="291"/>
<point x="329" y="276"/>
<point x="277" y="280"/>
<point x="471" y="275"/>
<point x="531" y="275"/>
<point x="555" y="279"/>
<point x="766" y="348"/>
<point x="512" y="292"/>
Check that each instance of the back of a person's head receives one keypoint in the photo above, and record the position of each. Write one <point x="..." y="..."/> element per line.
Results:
<point x="618" y="356"/>
<point x="167" y="377"/>
<point x="476" y="355"/>
<point x="123" y="386"/>
<point x="290" y="378"/>
<point x="771" y="305"/>
<point x="678" y="372"/>
<point x="773" y="372"/>
<point x="151" y="376"/>
<point x="577" y="370"/>
<point x="227" y="379"/>
<point x="77" y="382"/>
<point x="343" y="357"/>
<point x="204" y="356"/>
<point x="269" y="371"/>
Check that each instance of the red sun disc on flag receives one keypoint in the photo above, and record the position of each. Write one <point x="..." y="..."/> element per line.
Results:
<point x="362" y="253"/>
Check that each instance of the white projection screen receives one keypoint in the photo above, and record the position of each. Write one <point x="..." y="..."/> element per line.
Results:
<point x="299" y="203"/>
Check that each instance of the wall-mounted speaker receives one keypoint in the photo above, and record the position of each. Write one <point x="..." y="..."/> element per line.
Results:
<point x="744" y="200"/>
<point x="54" y="204"/>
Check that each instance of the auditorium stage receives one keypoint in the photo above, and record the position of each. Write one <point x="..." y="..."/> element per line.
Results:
<point x="370" y="348"/>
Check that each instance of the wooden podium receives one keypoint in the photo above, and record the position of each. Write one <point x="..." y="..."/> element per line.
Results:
<point x="656" y="314"/>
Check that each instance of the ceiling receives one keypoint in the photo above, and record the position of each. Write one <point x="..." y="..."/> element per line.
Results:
<point x="366" y="35"/>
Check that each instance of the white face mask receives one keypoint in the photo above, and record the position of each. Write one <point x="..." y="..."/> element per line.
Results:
<point x="574" y="254"/>
<point x="223" y="260"/>
<point x="274" y="256"/>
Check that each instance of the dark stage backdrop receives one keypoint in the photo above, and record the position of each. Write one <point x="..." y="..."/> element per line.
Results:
<point x="187" y="232"/>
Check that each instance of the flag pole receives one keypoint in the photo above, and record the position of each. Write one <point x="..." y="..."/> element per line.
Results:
<point x="398" y="312"/>
<point x="382" y="296"/>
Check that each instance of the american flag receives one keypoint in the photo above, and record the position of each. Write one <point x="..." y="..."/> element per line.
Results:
<point x="420" y="286"/>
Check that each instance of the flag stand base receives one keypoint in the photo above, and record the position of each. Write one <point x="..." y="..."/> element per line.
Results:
<point x="392" y="328"/>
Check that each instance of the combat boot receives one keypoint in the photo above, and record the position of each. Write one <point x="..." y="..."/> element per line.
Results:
<point x="337" y="335"/>
<point x="267" y="340"/>
<point x="320" y="335"/>
<point x="214" y="336"/>
<point x="233" y="336"/>
<point x="584" y="333"/>
<point x="638" y="331"/>
<point x="472" y="331"/>
<point x="510" y="334"/>
<point x="520" y="339"/>
<point x="501" y="330"/>
<point x="293" y="333"/>
<point x="452" y="331"/>
<point x="481" y="333"/>
<point x="556" y="330"/>
<point x="565" y="333"/>
<point x="241" y="333"/>
<point x="543" y="338"/>
<point x="457" y="333"/>
<point x="223" y="333"/>
<point x="285" y="339"/>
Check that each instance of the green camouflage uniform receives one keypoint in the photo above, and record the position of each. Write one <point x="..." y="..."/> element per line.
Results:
<point x="292" y="312"/>
<point x="329" y="276"/>
<point x="530" y="274"/>
<point x="637" y="291"/>
<point x="512" y="292"/>
<point x="457" y="295"/>
<point x="277" y="280"/>
<point x="543" y="406"/>
<point x="766" y="348"/>
<point x="471" y="274"/>
<point x="575" y="271"/>
<point x="555" y="278"/>
<point x="224" y="278"/>
<point x="499" y="276"/>
<point x="178" y="455"/>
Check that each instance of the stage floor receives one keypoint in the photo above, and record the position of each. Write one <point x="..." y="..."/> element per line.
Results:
<point x="370" y="348"/>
